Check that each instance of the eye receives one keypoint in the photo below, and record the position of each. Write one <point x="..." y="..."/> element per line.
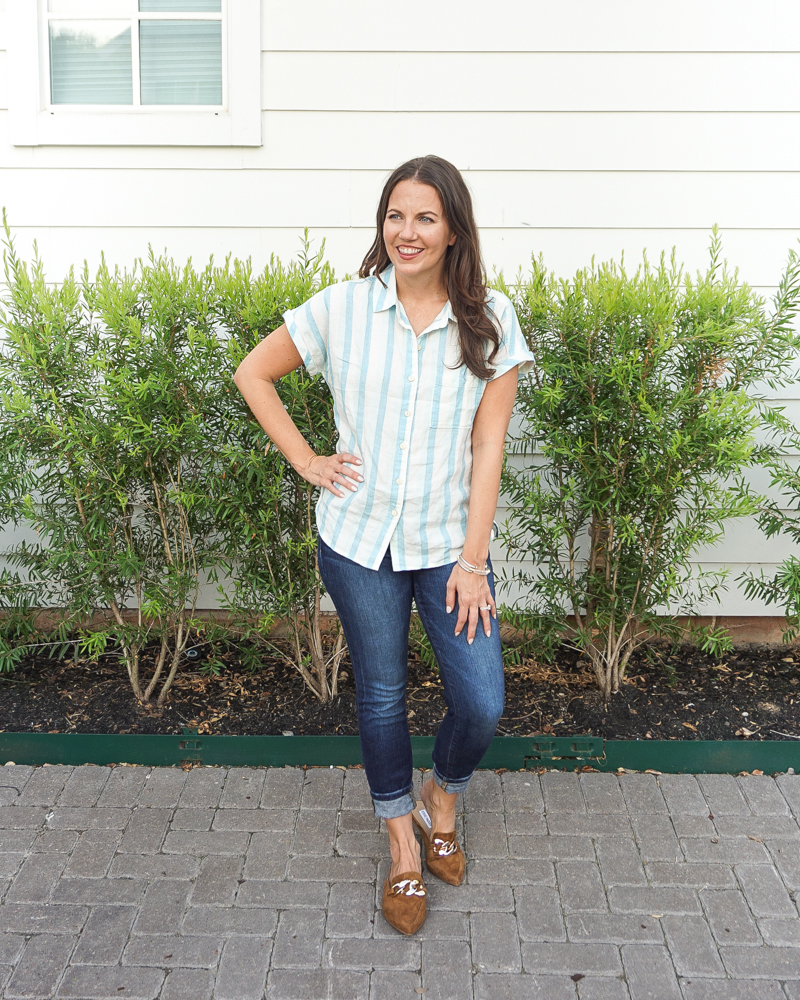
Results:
<point x="394" y="215"/>
<point x="426" y="218"/>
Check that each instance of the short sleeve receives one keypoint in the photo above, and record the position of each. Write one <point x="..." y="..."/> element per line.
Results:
<point x="513" y="350"/>
<point x="308" y="327"/>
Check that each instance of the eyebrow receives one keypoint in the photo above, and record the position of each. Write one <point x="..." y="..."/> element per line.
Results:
<point x="429" y="211"/>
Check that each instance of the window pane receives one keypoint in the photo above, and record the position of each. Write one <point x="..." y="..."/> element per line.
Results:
<point x="181" y="62"/>
<point x="201" y="6"/>
<point x="90" y="62"/>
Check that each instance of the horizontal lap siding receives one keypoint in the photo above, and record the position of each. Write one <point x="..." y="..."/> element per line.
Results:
<point x="336" y="198"/>
<point x="516" y="143"/>
<point x="583" y="129"/>
<point x="541" y="25"/>
<point x="465" y="82"/>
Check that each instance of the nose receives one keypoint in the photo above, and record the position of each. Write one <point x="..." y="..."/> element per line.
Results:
<point x="408" y="231"/>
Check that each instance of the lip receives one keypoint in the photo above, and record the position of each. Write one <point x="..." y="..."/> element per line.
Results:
<point x="409" y="256"/>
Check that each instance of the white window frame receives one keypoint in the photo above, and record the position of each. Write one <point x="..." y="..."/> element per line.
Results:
<point x="34" y="121"/>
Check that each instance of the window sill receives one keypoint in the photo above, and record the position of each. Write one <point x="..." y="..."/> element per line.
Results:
<point x="124" y="127"/>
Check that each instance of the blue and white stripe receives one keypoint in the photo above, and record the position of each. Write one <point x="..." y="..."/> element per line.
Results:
<point x="405" y="406"/>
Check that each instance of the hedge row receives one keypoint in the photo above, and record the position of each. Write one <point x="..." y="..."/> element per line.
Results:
<point x="125" y="446"/>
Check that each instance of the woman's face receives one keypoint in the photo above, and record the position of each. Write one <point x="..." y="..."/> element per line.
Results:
<point x="415" y="231"/>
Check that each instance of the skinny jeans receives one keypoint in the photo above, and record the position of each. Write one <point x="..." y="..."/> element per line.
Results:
<point x="374" y="607"/>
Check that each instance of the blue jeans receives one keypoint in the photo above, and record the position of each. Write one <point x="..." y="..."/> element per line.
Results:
<point x="374" y="607"/>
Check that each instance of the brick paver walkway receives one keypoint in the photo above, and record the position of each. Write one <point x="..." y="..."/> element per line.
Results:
<point x="236" y="884"/>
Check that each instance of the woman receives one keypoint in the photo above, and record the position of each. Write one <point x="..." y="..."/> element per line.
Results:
<point x="422" y="362"/>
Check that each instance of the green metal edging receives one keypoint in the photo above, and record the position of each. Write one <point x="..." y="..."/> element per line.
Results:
<point x="512" y="752"/>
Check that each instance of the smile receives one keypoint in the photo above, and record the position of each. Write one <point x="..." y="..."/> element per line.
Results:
<point x="409" y="252"/>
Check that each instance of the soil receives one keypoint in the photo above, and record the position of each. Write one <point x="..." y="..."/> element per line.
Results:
<point x="751" y="694"/>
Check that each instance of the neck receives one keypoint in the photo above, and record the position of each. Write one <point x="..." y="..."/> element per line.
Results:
<point x="428" y="287"/>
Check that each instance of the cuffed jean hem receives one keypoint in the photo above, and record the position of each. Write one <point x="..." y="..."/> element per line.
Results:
<point x="393" y="808"/>
<point x="459" y="785"/>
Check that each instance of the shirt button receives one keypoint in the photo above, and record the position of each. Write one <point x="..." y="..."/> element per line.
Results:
<point x="394" y="513"/>
<point x="399" y="482"/>
<point x="410" y="378"/>
<point x="403" y="445"/>
<point x="408" y="413"/>
<point x="419" y="347"/>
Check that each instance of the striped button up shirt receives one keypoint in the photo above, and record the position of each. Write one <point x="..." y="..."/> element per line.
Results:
<point x="405" y="407"/>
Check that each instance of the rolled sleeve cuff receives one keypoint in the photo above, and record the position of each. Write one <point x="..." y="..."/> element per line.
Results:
<point x="500" y="368"/>
<point x="308" y="342"/>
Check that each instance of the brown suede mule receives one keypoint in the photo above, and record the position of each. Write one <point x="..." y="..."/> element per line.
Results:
<point x="404" y="903"/>
<point x="443" y="855"/>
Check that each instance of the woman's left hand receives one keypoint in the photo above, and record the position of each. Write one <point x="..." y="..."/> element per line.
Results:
<point x="471" y="592"/>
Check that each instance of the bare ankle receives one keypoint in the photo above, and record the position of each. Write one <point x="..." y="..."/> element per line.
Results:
<point x="405" y="861"/>
<point x="403" y="846"/>
<point x="441" y="805"/>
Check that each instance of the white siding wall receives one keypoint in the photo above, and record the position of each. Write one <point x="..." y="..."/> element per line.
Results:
<point x="583" y="128"/>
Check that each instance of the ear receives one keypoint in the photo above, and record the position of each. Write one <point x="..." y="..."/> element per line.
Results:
<point x="452" y="240"/>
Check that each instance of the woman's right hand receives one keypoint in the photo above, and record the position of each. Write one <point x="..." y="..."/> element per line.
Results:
<point x="332" y="472"/>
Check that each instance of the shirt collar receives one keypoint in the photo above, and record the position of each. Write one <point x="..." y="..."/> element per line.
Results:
<point x="387" y="297"/>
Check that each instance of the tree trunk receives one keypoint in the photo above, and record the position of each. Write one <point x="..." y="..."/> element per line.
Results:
<point x="180" y="643"/>
<point x="131" y="654"/>
<point x="162" y="656"/>
<point x="338" y="652"/>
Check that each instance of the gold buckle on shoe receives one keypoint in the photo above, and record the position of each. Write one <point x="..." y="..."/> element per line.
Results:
<point x="409" y="887"/>
<point x="444" y="848"/>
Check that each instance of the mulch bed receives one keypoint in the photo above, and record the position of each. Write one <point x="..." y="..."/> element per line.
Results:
<point x="751" y="694"/>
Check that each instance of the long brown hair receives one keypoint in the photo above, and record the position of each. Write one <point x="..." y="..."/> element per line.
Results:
<point x="464" y="275"/>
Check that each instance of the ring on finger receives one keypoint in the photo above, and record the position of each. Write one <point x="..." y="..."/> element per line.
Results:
<point x="485" y="607"/>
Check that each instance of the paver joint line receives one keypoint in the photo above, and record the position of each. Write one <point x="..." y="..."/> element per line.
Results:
<point x="160" y="884"/>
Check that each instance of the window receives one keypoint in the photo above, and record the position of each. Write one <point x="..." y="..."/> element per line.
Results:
<point x="159" y="52"/>
<point x="124" y="72"/>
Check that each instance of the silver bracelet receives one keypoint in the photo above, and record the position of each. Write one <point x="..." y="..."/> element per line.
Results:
<point x="469" y="568"/>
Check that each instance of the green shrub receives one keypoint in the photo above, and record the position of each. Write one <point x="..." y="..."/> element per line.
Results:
<point x="264" y="510"/>
<point x="637" y="426"/>
<point x="111" y="380"/>
<point x="139" y="465"/>
<point x="125" y="443"/>
<point x="776" y="518"/>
